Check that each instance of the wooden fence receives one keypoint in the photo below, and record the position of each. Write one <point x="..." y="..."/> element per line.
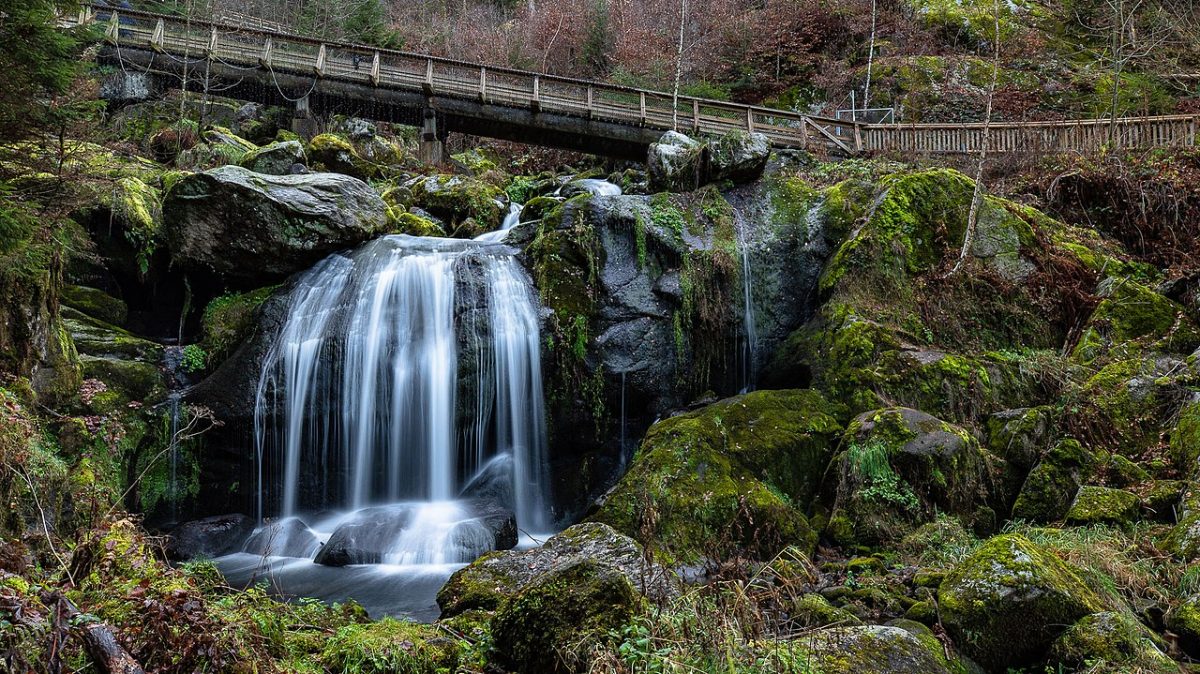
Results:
<point x="256" y="48"/>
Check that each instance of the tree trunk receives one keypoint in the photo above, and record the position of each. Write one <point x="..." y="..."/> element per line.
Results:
<point x="98" y="640"/>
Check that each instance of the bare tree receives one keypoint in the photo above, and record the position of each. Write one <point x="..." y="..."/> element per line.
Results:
<point x="683" y="9"/>
<point x="984" y="146"/>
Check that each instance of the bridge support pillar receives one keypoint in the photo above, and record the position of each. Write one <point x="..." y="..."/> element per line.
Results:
<point x="431" y="151"/>
<point x="303" y="123"/>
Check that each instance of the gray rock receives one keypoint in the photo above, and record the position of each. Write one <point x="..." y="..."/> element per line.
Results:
<point x="864" y="649"/>
<point x="376" y="535"/>
<point x="209" y="537"/>
<point x="675" y="163"/>
<point x="253" y="229"/>
<point x="276" y="159"/>
<point x="738" y="156"/>
<point x="490" y="580"/>
<point x="288" y="537"/>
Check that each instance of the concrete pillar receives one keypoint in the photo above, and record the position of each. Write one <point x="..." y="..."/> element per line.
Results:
<point x="431" y="142"/>
<point x="303" y="123"/>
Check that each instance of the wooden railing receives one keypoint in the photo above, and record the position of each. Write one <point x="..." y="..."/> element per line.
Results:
<point x="1086" y="135"/>
<point x="273" y="51"/>
<point x="253" y="46"/>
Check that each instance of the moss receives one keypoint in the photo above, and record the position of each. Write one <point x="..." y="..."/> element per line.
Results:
<point x="135" y="379"/>
<point x="138" y="206"/>
<point x="412" y="224"/>
<point x="1112" y="642"/>
<point x="391" y="646"/>
<point x="478" y="161"/>
<point x="96" y="303"/>
<point x="469" y="206"/>
<point x="553" y="623"/>
<point x="900" y="468"/>
<point x="1010" y="599"/>
<point x="479" y="586"/>
<point x="1185" y="442"/>
<point x="334" y="153"/>
<point x="229" y="319"/>
<point x="904" y="647"/>
<point x="736" y="474"/>
<point x="1102" y="505"/>
<point x="1131" y="312"/>
<point x="1050" y="487"/>
<point x="813" y="610"/>
<point x="1184" y="620"/>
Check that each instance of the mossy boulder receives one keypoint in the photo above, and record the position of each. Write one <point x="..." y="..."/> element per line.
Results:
<point x="1133" y="312"/>
<point x="1131" y="401"/>
<point x="1184" y="539"/>
<point x="1111" y="642"/>
<point x="229" y="319"/>
<point x="1050" y="487"/>
<point x="490" y="581"/>
<point x="469" y="206"/>
<point x="905" y="648"/>
<point x="95" y="303"/>
<point x="736" y="474"/>
<point x="738" y="156"/>
<point x="1185" y="441"/>
<point x="137" y="207"/>
<point x="128" y="365"/>
<point x="899" y="469"/>
<point x="390" y="645"/>
<point x="553" y="623"/>
<point x="406" y="222"/>
<point x="1007" y="602"/>
<point x="1184" y="620"/>
<point x="253" y="229"/>
<point x="812" y="610"/>
<point x="275" y="159"/>
<point x="675" y="163"/>
<point x="233" y="146"/>
<point x="1103" y="505"/>
<point x="333" y="153"/>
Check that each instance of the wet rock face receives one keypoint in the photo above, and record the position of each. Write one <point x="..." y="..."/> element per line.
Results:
<point x="252" y="229"/>
<point x="276" y="159"/>
<point x="209" y="537"/>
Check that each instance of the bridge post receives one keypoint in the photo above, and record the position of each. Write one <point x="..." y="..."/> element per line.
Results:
<point x="431" y="151"/>
<point x="303" y="124"/>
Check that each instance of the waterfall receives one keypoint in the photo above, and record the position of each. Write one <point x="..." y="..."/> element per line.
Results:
<point x="750" y="330"/>
<point x="403" y="367"/>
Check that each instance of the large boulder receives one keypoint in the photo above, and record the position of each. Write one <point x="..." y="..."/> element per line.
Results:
<point x="675" y="163"/>
<point x="905" y="648"/>
<point x="1115" y="639"/>
<point x="553" y="623"/>
<point x="901" y="467"/>
<point x="287" y="537"/>
<point x="1050" y="488"/>
<point x="276" y="159"/>
<point x="1184" y="620"/>
<point x="1104" y="505"/>
<point x="1007" y="602"/>
<point x="737" y="474"/>
<point x="381" y="535"/>
<point x="469" y="206"/>
<point x="493" y="579"/>
<point x="209" y="537"/>
<point x="738" y="156"/>
<point x="128" y="365"/>
<point x="252" y="229"/>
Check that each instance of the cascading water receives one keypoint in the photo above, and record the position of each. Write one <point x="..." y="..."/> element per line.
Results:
<point x="402" y="370"/>
<point x="750" y="330"/>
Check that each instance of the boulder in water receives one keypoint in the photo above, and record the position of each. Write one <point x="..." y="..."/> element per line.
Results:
<point x="417" y="533"/>
<point x="209" y="537"/>
<point x="253" y="229"/>
<point x="287" y="537"/>
<point x="493" y="483"/>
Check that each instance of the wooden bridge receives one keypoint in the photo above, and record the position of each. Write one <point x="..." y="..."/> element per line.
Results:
<point x="254" y="62"/>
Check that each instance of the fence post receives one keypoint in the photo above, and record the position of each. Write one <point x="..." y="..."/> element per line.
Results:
<point x="156" y="39"/>
<point x="590" y="110"/>
<point x="535" y="103"/>
<point x="319" y="65"/>
<point x="212" y="43"/>
<point x="483" y="84"/>
<point x="642" y="106"/>
<point x="695" y="115"/>
<point x="750" y="119"/>
<point x="265" y="59"/>
<point x="428" y="84"/>
<point x="375" y="69"/>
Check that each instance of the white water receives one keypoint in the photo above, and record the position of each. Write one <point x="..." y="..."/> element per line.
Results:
<point x="511" y="219"/>
<point x="357" y="401"/>
<point x="600" y="188"/>
<point x="749" y="329"/>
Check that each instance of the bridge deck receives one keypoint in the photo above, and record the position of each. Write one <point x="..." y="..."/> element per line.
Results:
<point x="550" y="110"/>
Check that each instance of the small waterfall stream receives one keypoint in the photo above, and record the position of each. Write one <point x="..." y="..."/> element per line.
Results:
<point x="749" y="329"/>
<point x="404" y="369"/>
